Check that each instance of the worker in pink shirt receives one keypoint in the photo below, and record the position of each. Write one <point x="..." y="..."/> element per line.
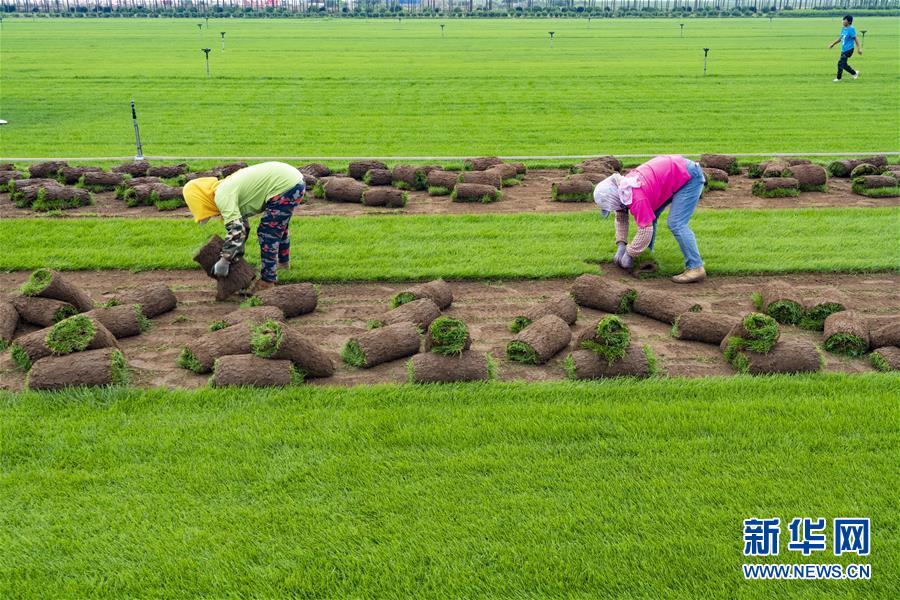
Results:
<point x="645" y="192"/>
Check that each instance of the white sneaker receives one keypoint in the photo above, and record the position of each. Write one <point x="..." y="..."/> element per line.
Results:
<point x="856" y="75"/>
<point x="836" y="81"/>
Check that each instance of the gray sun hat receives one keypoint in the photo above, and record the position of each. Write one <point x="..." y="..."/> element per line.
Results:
<point x="606" y="195"/>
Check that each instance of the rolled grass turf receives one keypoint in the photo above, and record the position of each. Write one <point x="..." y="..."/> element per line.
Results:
<point x="810" y="178"/>
<point x="42" y="312"/>
<point x="819" y="307"/>
<point x="575" y="189"/>
<point x="148" y="194"/>
<point x="715" y="175"/>
<point x="153" y="298"/>
<point x="787" y="356"/>
<point x="52" y="284"/>
<point x="358" y="168"/>
<point x="562" y="306"/>
<point x="776" y="187"/>
<point x="9" y="320"/>
<point x="77" y="334"/>
<point x="316" y="170"/>
<point x="342" y="189"/>
<point x="28" y="348"/>
<point x="723" y="162"/>
<point x="48" y="169"/>
<point x="447" y="336"/>
<point x="663" y="306"/>
<point x="441" y="183"/>
<point x="378" y="177"/>
<point x="884" y="330"/>
<point x="58" y="197"/>
<point x="876" y="186"/>
<point x="475" y="192"/>
<point x="386" y="197"/>
<point x="438" y="290"/>
<point x="599" y="163"/>
<point x="436" y="368"/>
<point x="293" y="299"/>
<point x="98" y="181"/>
<point x="381" y="345"/>
<point x="491" y="178"/>
<point x="864" y="169"/>
<point x="755" y="332"/>
<point x="408" y="177"/>
<point x="420" y="312"/>
<point x="774" y="168"/>
<point x="540" y="341"/>
<point x="637" y="361"/>
<point x="254" y="315"/>
<point x="608" y="338"/>
<point x="124" y="320"/>
<point x="847" y="333"/>
<point x="781" y="301"/>
<point x="71" y="175"/>
<point x="167" y="171"/>
<point x="844" y="168"/>
<point x="481" y="163"/>
<point x="199" y="355"/>
<point x="509" y="175"/>
<point x="276" y="340"/>
<point x="608" y="295"/>
<point x="92" y="368"/>
<point x="706" y="327"/>
<point x="240" y="273"/>
<point x="886" y="358"/>
<point x="137" y="168"/>
<point x="248" y="370"/>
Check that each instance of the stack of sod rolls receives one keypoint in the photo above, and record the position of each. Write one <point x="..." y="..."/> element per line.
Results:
<point x="447" y="357"/>
<point x="563" y="307"/>
<point x="753" y="347"/>
<point x="605" y="350"/>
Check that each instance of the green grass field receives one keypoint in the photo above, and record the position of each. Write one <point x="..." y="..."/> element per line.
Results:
<point x="357" y="88"/>
<point x="544" y="490"/>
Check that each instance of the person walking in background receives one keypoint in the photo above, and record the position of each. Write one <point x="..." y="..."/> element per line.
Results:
<point x="847" y="41"/>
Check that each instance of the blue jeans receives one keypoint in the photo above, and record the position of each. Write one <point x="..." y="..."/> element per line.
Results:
<point x="683" y="202"/>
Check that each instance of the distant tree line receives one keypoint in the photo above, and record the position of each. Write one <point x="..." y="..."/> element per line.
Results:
<point x="444" y="8"/>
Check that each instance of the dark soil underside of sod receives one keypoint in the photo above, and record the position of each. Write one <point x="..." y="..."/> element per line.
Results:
<point x="532" y="195"/>
<point x="486" y="307"/>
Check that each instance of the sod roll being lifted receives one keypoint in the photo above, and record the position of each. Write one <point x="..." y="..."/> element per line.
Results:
<point x="253" y="371"/>
<point x="584" y="364"/>
<point x="886" y="358"/>
<point x="42" y="312"/>
<point x="387" y="197"/>
<point x="124" y="320"/>
<point x="240" y="274"/>
<point x="663" y="306"/>
<point x="787" y="356"/>
<point x="153" y="298"/>
<point x="438" y="290"/>
<point x="294" y="299"/>
<point x="562" y="306"/>
<point x="781" y="302"/>
<point x="9" y="319"/>
<point x="436" y="368"/>
<point x="540" y="342"/>
<point x="707" y="327"/>
<point x="101" y="367"/>
<point x="447" y="336"/>
<point x="755" y="332"/>
<point x="592" y="291"/>
<point x="51" y="284"/>
<point x="847" y="332"/>
<point x="200" y="354"/>
<point x="357" y="169"/>
<point x="274" y="339"/>
<point x="420" y="312"/>
<point x="254" y="315"/>
<point x="475" y="192"/>
<point x="381" y="345"/>
<point x="608" y="338"/>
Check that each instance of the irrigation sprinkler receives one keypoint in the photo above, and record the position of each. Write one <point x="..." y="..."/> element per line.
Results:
<point x="200" y="28"/>
<point x="589" y="21"/>
<point x="551" y="37"/>
<point x="207" y="22"/>
<point x="137" y="134"/>
<point x="206" y="51"/>
<point x="862" y="42"/>
<point x="682" y="29"/>
<point x="222" y="33"/>
<point x="705" y="54"/>
<point x="442" y="29"/>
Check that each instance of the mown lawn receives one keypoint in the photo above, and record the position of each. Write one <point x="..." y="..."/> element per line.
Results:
<point x="395" y="247"/>
<point x="546" y="490"/>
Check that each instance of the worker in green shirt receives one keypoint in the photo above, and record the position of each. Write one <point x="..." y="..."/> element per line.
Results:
<point x="270" y="188"/>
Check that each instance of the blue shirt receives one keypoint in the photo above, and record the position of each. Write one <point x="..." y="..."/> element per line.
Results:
<point x="848" y="34"/>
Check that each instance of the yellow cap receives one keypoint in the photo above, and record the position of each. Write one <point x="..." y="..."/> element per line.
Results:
<point x="200" y="195"/>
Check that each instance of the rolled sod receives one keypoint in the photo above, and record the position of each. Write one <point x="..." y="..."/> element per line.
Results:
<point x="787" y="356"/>
<point x="774" y="168"/>
<point x="255" y="315"/>
<point x="240" y="274"/>
<point x="387" y="197"/>
<point x="713" y="174"/>
<point x="148" y="194"/>
<point x="562" y="306"/>
<point x="98" y="181"/>
<point x="294" y="299"/>
<point x="592" y="291"/>
<point x="663" y="306"/>
<point x="755" y="332"/>
<point x="884" y="331"/>
<point x="77" y="334"/>
<point x="343" y="189"/>
<point x="378" y="177"/>
<point x="42" y="312"/>
<point x="576" y="189"/>
<point x="886" y="358"/>
<point x="820" y="307"/>
<point x="29" y="348"/>
<point x="48" y="169"/>
<point x="592" y="176"/>
<point x="200" y="354"/>
<point x="491" y="178"/>
<point x="381" y="345"/>
<point x="60" y="197"/>
<point x="876" y="186"/>
<point x="101" y="367"/>
<point x="707" y="327"/>
<point x="441" y="183"/>
<point x="52" y="284"/>
<point x="420" y="312"/>
<point x="844" y="168"/>
<point x="776" y="187"/>
<point x="540" y="342"/>
<point x="317" y="170"/>
<point x="23" y="192"/>
<point x="135" y="169"/>
<point x="864" y="169"/>
<point x="358" y="169"/>
<point x="252" y="371"/>
<point x="408" y="177"/>
<point x="153" y="298"/>
<point x="811" y="178"/>
<point x="229" y="168"/>
<point x="437" y="368"/>
<point x="475" y="192"/>
<point x="508" y="174"/>
<point x="274" y="339"/>
<point x="7" y="176"/>
<point x="847" y="332"/>
<point x="124" y="320"/>
<point x="481" y="163"/>
<point x="71" y="175"/>
<point x="608" y="338"/>
<point x="600" y="163"/>
<point x="584" y="364"/>
<point x="438" y="290"/>
<point x="723" y="162"/>
<point x="9" y="320"/>
<point x="447" y="336"/>
<point x="782" y="302"/>
<point x="167" y="171"/>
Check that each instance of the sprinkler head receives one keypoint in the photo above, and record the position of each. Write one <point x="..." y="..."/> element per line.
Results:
<point x="705" y="51"/>
<point x="551" y="33"/>
<point x="199" y="25"/>
<point x="222" y="33"/>
<point x="207" y="51"/>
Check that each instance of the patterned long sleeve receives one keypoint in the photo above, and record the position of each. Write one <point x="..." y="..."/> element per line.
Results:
<point x="235" y="238"/>
<point x="641" y="241"/>
<point x="622" y="226"/>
